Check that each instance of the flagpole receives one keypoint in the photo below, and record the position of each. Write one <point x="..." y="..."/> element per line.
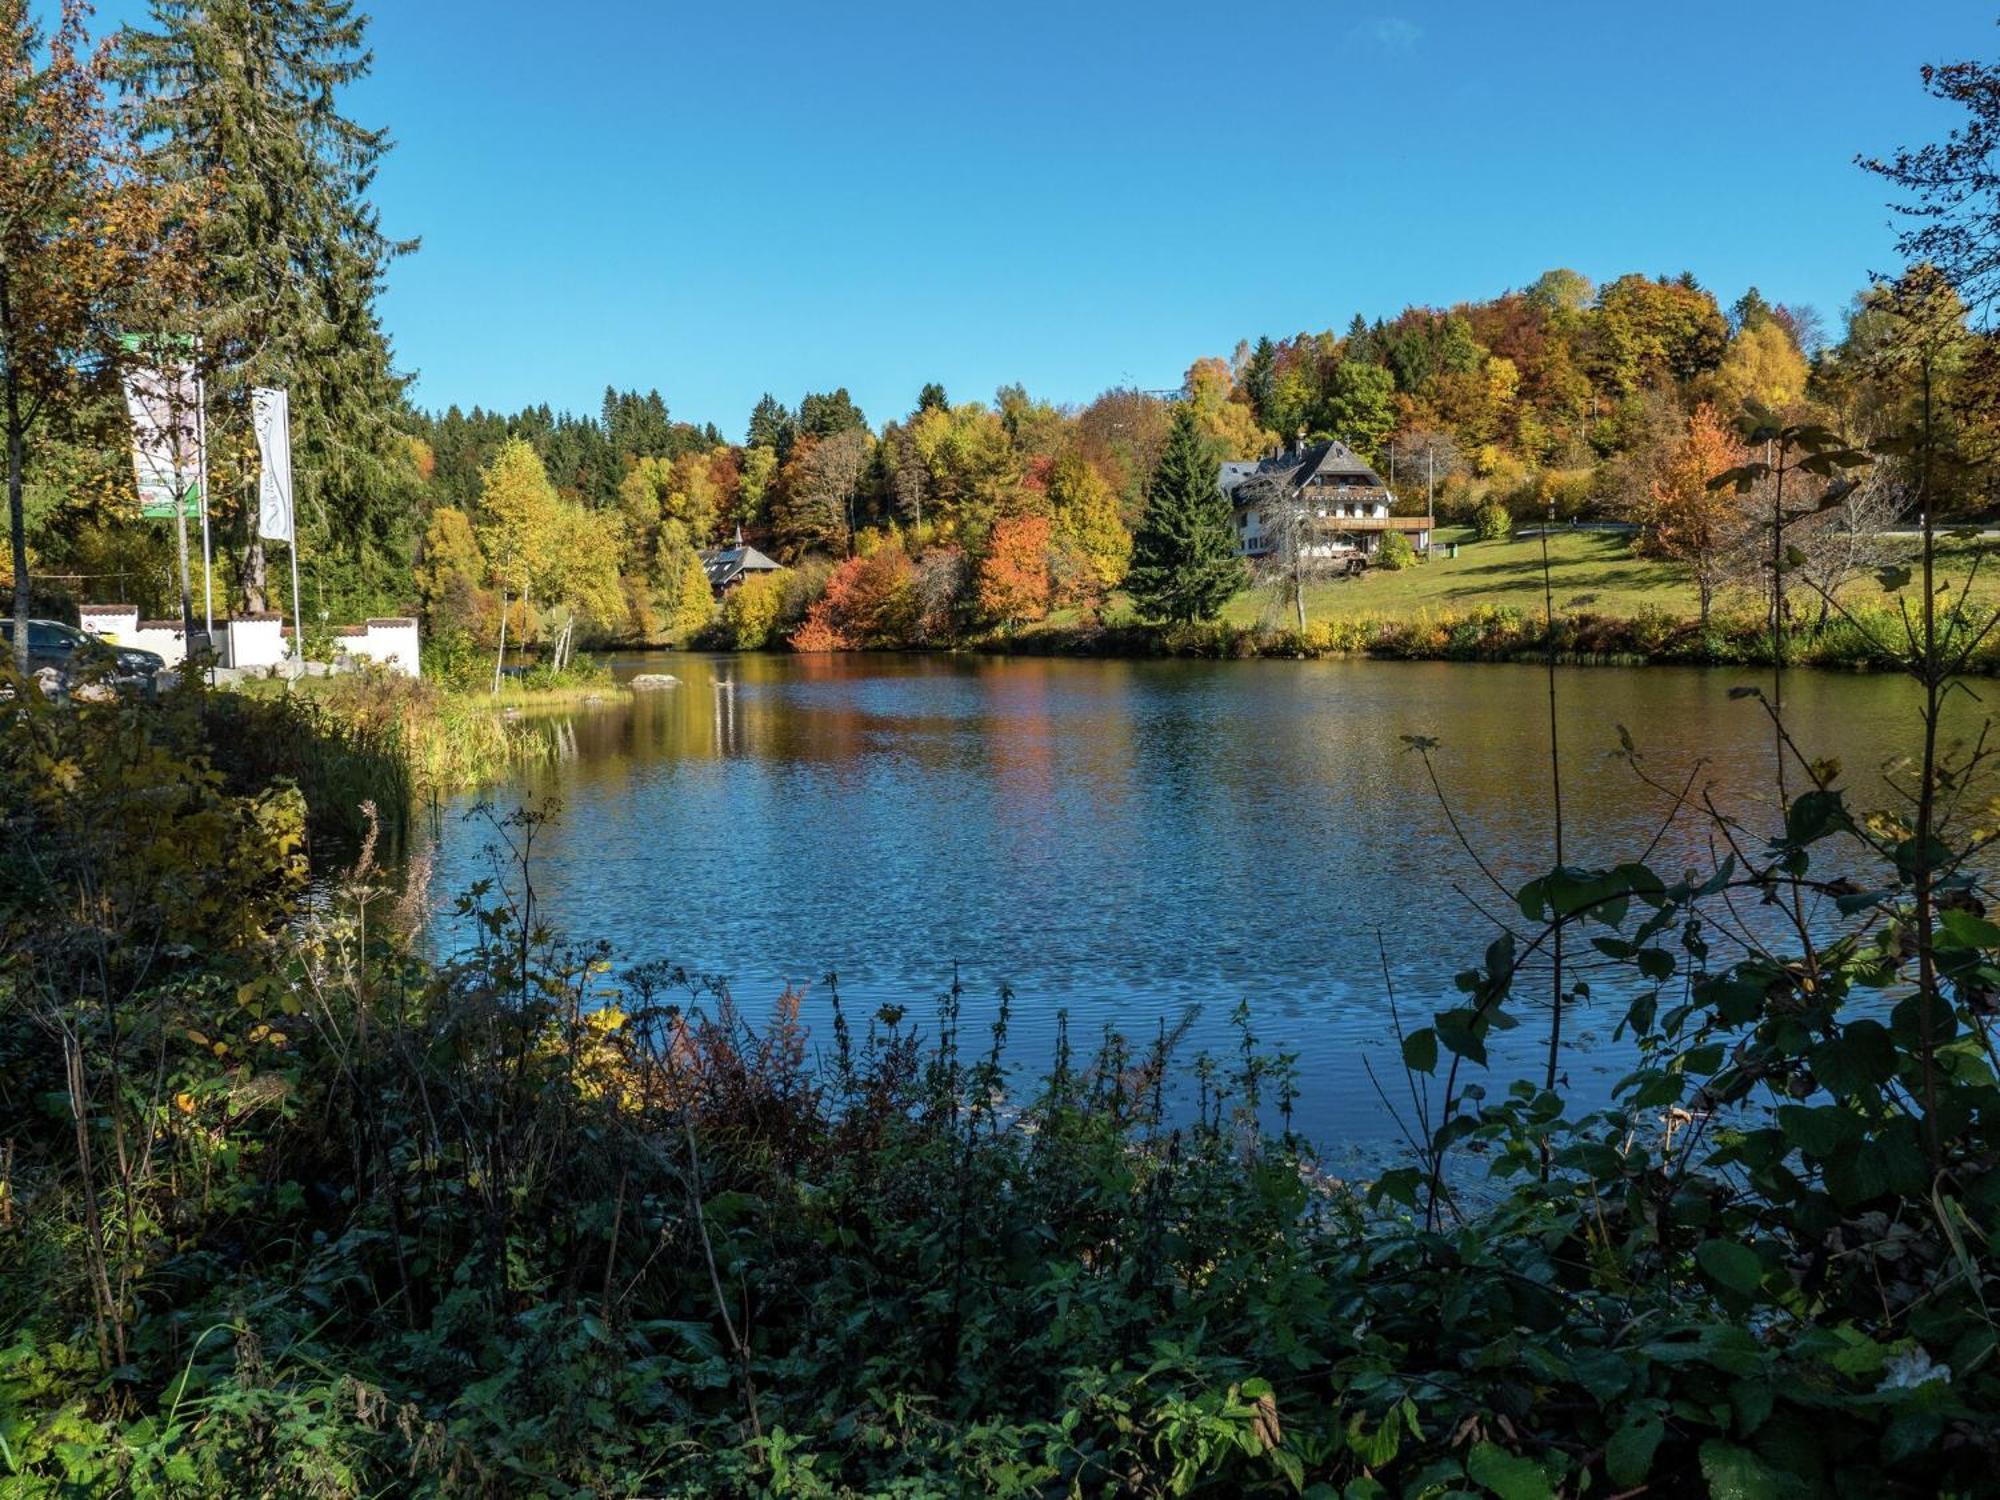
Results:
<point x="201" y="448"/>
<point x="292" y="516"/>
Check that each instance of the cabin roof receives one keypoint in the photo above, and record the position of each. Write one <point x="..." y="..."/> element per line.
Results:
<point x="725" y="564"/>
<point x="1250" y="483"/>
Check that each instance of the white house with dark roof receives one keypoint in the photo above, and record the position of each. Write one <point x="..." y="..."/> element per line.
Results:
<point x="1349" y="499"/>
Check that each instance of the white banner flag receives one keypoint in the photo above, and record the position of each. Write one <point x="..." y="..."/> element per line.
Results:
<point x="165" y="408"/>
<point x="272" y="411"/>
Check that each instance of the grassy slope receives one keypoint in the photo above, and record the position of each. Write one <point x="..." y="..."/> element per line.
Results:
<point x="1591" y="570"/>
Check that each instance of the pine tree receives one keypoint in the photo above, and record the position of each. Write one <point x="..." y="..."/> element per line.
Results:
<point x="1185" y="565"/>
<point x="1260" y="374"/>
<point x="245" y="94"/>
<point x="771" y="426"/>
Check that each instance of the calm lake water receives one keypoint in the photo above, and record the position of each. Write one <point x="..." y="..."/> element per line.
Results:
<point x="1127" y="840"/>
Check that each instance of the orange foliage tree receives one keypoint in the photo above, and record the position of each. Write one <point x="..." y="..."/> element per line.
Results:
<point x="1014" y="574"/>
<point x="869" y="602"/>
<point x="1683" y="518"/>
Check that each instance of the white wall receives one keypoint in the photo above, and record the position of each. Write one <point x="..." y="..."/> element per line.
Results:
<point x="117" y="623"/>
<point x="391" y="642"/>
<point x="256" y="643"/>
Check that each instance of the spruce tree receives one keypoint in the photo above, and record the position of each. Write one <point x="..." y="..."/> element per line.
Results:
<point x="1185" y="565"/>
<point x="245" y="95"/>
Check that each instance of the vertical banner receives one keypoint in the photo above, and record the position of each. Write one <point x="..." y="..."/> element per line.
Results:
<point x="272" y="413"/>
<point x="165" y="406"/>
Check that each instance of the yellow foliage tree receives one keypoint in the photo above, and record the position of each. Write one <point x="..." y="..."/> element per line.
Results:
<point x="1763" y="365"/>
<point x="750" y="610"/>
<point x="1092" y="546"/>
<point x="519" y="519"/>
<point x="686" y="602"/>
<point x="1230" y="425"/>
<point x="452" y="572"/>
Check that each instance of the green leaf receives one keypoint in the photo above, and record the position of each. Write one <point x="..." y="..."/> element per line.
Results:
<point x="1420" y="1051"/>
<point x="1736" y="1473"/>
<point x="1464" y="1032"/>
<point x="1291" y="1466"/>
<point x="1813" y="816"/>
<point x="1893" y="579"/>
<point x="1730" y="1265"/>
<point x="1815" y="1130"/>
<point x="1629" y="1454"/>
<point x="1508" y="1475"/>
<point x="1968" y="931"/>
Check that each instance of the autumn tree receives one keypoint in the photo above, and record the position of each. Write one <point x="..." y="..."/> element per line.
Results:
<point x="1684" y="518"/>
<point x="685" y="600"/>
<point x="868" y="602"/>
<point x="816" y="493"/>
<point x="1761" y="365"/>
<point x="1014" y="573"/>
<point x="1229" y="426"/>
<point x="1185" y="565"/>
<point x="451" y="573"/>
<point x="972" y="469"/>
<point x="83" y="235"/>
<point x="1091" y="548"/>
<point x="581" y="576"/>
<point x="757" y="468"/>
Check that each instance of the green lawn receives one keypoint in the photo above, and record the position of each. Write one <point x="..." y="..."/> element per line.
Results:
<point x="1590" y="570"/>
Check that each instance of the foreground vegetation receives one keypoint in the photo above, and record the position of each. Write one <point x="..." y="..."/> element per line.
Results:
<point x="289" y="1206"/>
<point x="389" y="743"/>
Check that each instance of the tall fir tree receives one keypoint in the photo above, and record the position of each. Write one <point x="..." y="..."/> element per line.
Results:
<point x="1185" y="564"/>
<point x="246" y="94"/>
<point x="1260" y="374"/>
<point x="771" y="426"/>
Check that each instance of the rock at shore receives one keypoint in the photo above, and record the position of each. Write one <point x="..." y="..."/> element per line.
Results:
<point x="647" y="682"/>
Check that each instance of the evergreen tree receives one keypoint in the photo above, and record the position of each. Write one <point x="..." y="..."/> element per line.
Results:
<point x="1259" y="373"/>
<point x="1185" y="565"/>
<point x="245" y="94"/>
<point x="771" y="426"/>
<point x="933" y="398"/>
<point x="825" y="414"/>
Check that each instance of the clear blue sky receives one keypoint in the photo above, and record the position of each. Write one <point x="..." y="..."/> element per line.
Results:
<point x="720" y="198"/>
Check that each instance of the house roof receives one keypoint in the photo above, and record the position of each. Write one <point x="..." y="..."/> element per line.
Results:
<point x="727" y="564"/>
<point x="1247" y="483"/>
<point x="1334" y="460"/>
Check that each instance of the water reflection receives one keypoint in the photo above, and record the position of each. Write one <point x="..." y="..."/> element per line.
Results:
<point x="1125" y="839"/>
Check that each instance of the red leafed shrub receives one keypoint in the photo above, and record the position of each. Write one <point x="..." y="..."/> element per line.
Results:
<point x="869" y="602"/>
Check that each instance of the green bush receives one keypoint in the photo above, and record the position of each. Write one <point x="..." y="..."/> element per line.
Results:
<point x="1493" y="522"/>
<point x="1395" y="553"/>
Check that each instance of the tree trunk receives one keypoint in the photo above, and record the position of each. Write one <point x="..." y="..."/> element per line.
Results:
<point x="256" y="586"/>
<point x="17" y="520"/>
<point x="500" y="660"/>
<point x="17" y="517"/>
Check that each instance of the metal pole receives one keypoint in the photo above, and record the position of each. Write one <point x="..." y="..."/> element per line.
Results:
<point x="298" y="609"/>
<point x="201" y="448"/>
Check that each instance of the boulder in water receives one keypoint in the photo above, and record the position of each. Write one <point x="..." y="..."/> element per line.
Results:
<point x="647" y="682"/>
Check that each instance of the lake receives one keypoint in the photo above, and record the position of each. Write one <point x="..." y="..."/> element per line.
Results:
<point x="1125" y="840"/>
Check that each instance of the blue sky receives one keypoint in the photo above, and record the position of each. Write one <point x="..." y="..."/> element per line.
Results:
<point x="724" y="198"/>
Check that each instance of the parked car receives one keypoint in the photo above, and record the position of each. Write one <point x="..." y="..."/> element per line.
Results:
<point x="73" y="653"/>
